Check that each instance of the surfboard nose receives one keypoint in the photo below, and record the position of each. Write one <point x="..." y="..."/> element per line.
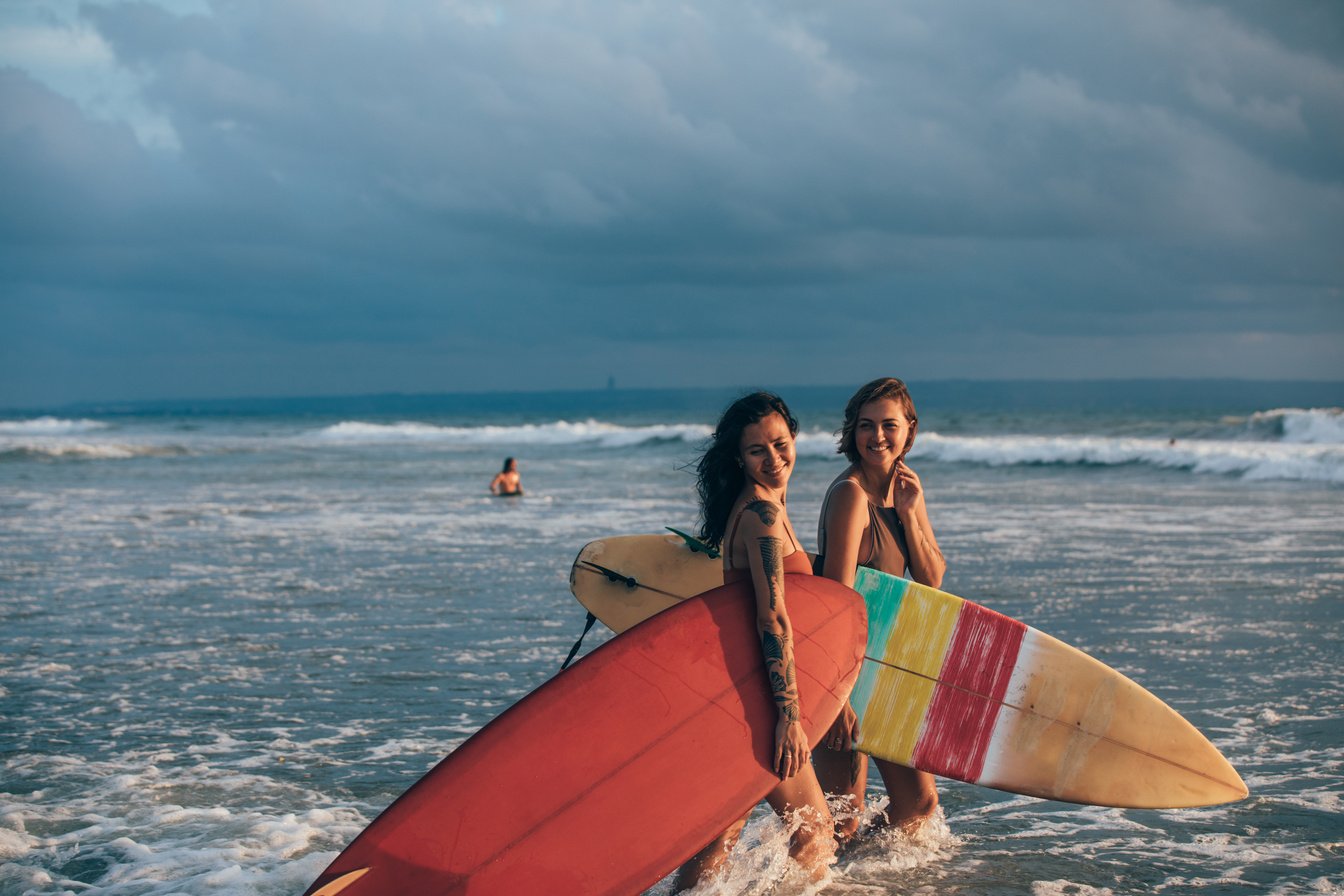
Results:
<point x="1233" y="782"/>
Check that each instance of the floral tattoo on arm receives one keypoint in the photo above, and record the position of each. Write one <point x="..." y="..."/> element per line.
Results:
<point x="783" y="681"/>
<point x="775" y="645"/>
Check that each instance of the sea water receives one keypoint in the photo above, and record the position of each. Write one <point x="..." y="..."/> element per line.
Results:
<point x="234" y="632"/>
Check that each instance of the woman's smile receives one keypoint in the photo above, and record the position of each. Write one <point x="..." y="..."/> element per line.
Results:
<point x="767" y="451"/>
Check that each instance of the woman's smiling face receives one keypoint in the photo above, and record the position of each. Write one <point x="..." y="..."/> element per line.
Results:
<point x="767" y="451"/>
<point x="882" y="432"/>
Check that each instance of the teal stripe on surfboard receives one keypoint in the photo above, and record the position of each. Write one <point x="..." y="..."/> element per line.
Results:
<point x="883" y="596"/>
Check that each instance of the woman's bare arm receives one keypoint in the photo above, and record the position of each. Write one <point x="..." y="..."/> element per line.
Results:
<point x="763" y="531"/>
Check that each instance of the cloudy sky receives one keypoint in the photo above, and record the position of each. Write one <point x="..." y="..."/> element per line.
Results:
<point x="207" y="198"/>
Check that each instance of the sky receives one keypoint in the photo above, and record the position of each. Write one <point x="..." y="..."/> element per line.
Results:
<point x="217" y="198"/>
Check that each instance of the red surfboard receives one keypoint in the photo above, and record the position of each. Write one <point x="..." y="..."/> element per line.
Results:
<point x="610" y="775"/>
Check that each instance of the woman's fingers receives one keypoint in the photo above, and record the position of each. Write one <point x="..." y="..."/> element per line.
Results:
<point x="791" y="761"/>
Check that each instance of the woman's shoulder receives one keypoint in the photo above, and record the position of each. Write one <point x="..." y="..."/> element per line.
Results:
<point x="849" y="474"/>
<point x="846" y="489"/>
<point x="757" y="513"/>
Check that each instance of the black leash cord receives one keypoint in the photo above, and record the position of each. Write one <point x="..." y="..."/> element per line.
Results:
<point x="575" y="649"/>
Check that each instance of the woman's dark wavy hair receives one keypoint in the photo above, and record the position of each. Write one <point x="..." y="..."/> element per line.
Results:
<point x="719" y="477"/>
<point x="883" y="387"/>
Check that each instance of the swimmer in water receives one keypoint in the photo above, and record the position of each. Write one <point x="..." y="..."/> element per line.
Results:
<point x="507" y="482"/>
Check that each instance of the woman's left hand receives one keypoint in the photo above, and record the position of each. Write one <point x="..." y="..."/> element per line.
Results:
<point x="907" y="491"/>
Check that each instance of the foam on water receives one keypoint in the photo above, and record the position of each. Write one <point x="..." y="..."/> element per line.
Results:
<point x="142" y="826"/>
<point x="1316" y="425"/>
<point x="1299" y="461"/>
<point x="47" y="426"/>
<point x="560" y="432"/>
<point x="760" y="862"/>
<point x="18" y="449"/>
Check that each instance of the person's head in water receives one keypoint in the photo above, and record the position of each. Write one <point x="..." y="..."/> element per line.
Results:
<point x="720" y="475"/>
<point x="509" y="465"/>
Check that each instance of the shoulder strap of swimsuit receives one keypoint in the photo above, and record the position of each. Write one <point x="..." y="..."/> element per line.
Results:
<point x="825" y="505"/>
<point x="732" y="538"/>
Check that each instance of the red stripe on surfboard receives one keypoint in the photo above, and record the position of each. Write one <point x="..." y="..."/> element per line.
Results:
<point x="976" y="670"/>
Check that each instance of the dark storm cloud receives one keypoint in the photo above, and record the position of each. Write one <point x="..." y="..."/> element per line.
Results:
<point x="451" y="190"/>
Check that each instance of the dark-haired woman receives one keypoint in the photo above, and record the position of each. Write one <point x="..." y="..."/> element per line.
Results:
<point x="873" y="515"/>
<point x="743" y="480"/>
<point x="507" y="482"/>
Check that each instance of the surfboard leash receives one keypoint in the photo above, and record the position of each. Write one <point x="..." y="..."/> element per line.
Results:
<point x="575" y="649"/>
<point x="619" y="578"/>
<point x="611" y="575"/>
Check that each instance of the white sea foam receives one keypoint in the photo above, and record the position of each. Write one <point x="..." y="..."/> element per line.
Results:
<point x="1067" y="888"/>
<point x="1311" y="426"/>
<point x="406" y="746"/>
<point x="126" y="828"/>
<point x="816" y="444"/>
<point x="49" y="426"/>
<point x="83" y="450"/>
<point x="560" y="432"/>
<point x="1251" y="460"/>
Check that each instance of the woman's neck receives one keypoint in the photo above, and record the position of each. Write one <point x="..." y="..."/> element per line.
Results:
<point x="754" y="490"/>
<point x="876" y="482"/>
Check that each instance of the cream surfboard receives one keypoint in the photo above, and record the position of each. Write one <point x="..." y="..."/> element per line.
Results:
<point x="956" y="689"/>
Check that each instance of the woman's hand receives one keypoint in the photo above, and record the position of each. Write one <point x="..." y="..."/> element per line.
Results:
<point x="907" y="491"/>
<point x="791" y="751"/>
<point x="925" y="559"/>
<point x="844" y="730"/>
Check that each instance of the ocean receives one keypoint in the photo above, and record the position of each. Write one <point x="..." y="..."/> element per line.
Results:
<point x="235" y="631"/>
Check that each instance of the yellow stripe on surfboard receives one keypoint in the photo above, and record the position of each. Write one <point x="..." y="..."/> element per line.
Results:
<point x="892" y="719"/>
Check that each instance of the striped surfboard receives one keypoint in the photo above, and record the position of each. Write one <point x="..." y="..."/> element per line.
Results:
<point x="956" y="689"/>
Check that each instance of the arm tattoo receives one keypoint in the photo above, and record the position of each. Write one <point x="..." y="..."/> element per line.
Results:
<point x="783" y="680"/>
<point x="772" y="550"/>
<point x="766" y="510"/>
<point x="773" y="648"/>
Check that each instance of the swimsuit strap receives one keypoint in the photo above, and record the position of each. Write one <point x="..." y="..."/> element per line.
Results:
<point x="825" y="502"/>
<point x="732" y="537"/>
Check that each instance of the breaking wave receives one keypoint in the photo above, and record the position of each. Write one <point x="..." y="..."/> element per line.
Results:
<point x="560" y="432"/>
<point x="1308" y="462"/>
<point x="48" y="426"/>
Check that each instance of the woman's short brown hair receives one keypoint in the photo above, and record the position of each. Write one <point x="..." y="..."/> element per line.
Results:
<point x="884" y="387"/>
